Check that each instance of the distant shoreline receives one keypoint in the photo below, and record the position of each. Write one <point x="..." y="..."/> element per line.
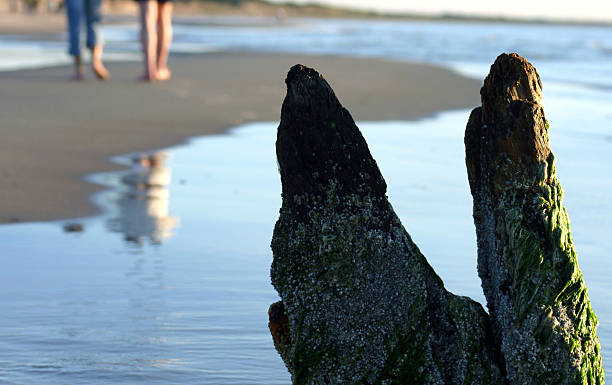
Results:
<point x="262" y="8"/>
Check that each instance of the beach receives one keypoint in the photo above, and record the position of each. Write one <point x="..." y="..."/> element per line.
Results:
<point x="138" y="216"/>
<point x="56" y="131"/>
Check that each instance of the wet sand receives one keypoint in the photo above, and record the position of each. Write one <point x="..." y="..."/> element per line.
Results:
<point x="55" y="131"/>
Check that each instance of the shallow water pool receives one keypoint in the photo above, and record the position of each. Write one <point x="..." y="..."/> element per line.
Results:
<point x="171" y="285"/>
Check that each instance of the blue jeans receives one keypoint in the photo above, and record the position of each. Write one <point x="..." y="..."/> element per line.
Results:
<point x="76" y="10"/>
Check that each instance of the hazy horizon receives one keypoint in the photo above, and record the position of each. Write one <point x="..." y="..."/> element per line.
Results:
<point x="588" y="10"/>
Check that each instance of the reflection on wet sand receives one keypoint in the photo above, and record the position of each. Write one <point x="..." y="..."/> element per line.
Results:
<point x="143" y="206"/>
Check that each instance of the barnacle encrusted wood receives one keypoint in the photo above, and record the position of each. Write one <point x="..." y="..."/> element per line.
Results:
<point x="362" y="303"/>
<point x="541" y="313"/>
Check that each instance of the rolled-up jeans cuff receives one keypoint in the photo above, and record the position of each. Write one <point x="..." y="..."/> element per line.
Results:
<point x="95" y="37"/>
<point x="93" y="16"/>
<point x="74" y="51"/>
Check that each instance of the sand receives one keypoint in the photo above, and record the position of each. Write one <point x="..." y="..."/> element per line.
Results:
<point x="55" y="131"/>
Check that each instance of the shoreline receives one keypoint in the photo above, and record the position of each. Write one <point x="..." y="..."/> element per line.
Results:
<point x="56" y="132"/>
<point x="52" y="20"/>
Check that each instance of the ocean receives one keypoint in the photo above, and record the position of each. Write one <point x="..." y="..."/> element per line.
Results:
<point x="171" y="284"/>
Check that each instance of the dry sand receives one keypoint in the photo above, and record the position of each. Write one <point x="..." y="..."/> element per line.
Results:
<point x="55" y="131"/>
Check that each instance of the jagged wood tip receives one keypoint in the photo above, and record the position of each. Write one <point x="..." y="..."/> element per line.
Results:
<point x="362" y="303"/>
<point x="540" y="311"/>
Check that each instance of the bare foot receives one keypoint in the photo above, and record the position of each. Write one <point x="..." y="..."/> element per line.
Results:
<point x="147" y="78"/>
<point x="96" y="63"/>
<point x="100" y="71"/>
<point x="163" y="74"/>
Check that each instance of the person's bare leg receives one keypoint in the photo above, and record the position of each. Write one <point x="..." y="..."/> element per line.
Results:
<point x="164" y="27"/>
<point x="93" y="16"/>
<point x="148" y="23"/>
<point x="78" y="68"/>
<point x="96" y="63"/>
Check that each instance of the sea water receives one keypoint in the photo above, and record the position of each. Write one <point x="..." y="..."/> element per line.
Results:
<point x="171" y="284"/>
<point x="563" y="53"/>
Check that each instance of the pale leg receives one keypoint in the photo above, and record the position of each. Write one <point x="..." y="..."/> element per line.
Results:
<point x="148" y="21"/>
<point x="96" y="63"/>
<point x="164" y="28"/>
<point x="94" y="40"/>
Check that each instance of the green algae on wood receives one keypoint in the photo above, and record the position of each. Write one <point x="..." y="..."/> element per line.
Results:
<point x="540" y="310"/>
<point x="362" y="303"/>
